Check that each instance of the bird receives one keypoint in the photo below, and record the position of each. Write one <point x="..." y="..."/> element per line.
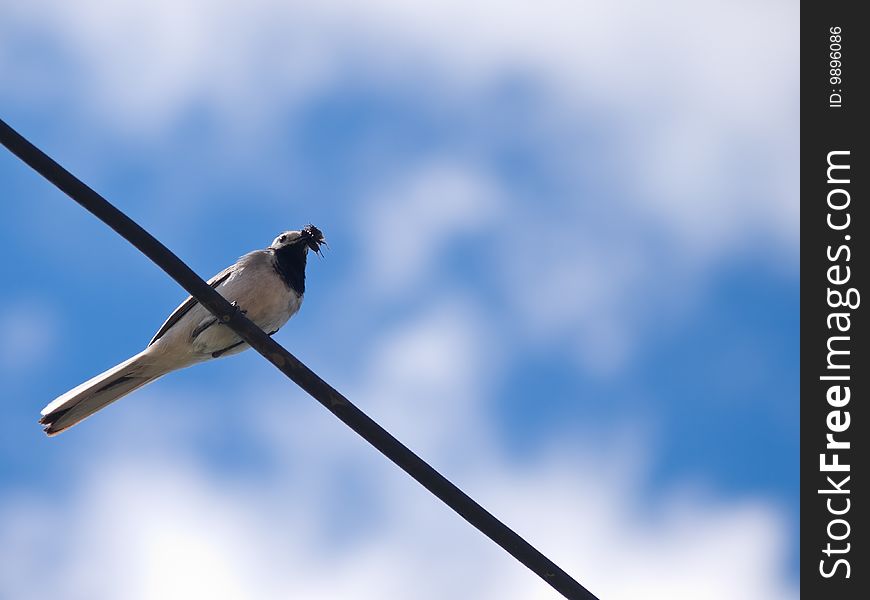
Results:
<point x="266" y="285"/>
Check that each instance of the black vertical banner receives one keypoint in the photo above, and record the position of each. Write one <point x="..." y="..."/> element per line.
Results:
<point x="835" y="373"/>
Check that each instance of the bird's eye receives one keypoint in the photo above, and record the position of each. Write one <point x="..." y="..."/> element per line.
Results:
<point x="282" y="239"/>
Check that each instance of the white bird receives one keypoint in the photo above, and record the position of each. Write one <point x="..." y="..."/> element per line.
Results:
<point x="267" y="285"/>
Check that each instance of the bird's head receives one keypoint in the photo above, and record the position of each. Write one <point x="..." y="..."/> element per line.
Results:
<point x="309" y="237"/>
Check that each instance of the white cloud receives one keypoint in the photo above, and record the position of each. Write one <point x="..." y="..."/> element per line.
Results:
<point x="170" y="528"/>
<point x="419" y="217"/>
<point x="689" y="88"/>
<point x="679" y="68"/>
<point x="426" y="376"/>
<point x="145" y="514"/>
<point x="166" y="54"/>
<point x="698" y="100"/>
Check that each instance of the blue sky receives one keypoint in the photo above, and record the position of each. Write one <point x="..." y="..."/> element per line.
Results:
<point x="563" y="267"/>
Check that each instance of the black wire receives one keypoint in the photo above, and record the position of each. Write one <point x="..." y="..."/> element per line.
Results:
<point x="304" y="377"/>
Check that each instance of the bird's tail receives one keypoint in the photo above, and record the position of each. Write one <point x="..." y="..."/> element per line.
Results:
<point x="81" y="402"/>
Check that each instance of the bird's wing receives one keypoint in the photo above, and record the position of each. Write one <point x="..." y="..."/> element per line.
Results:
<point x="185" y="306"/>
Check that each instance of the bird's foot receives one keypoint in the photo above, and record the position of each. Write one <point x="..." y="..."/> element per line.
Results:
<point x="236" y="308"/>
